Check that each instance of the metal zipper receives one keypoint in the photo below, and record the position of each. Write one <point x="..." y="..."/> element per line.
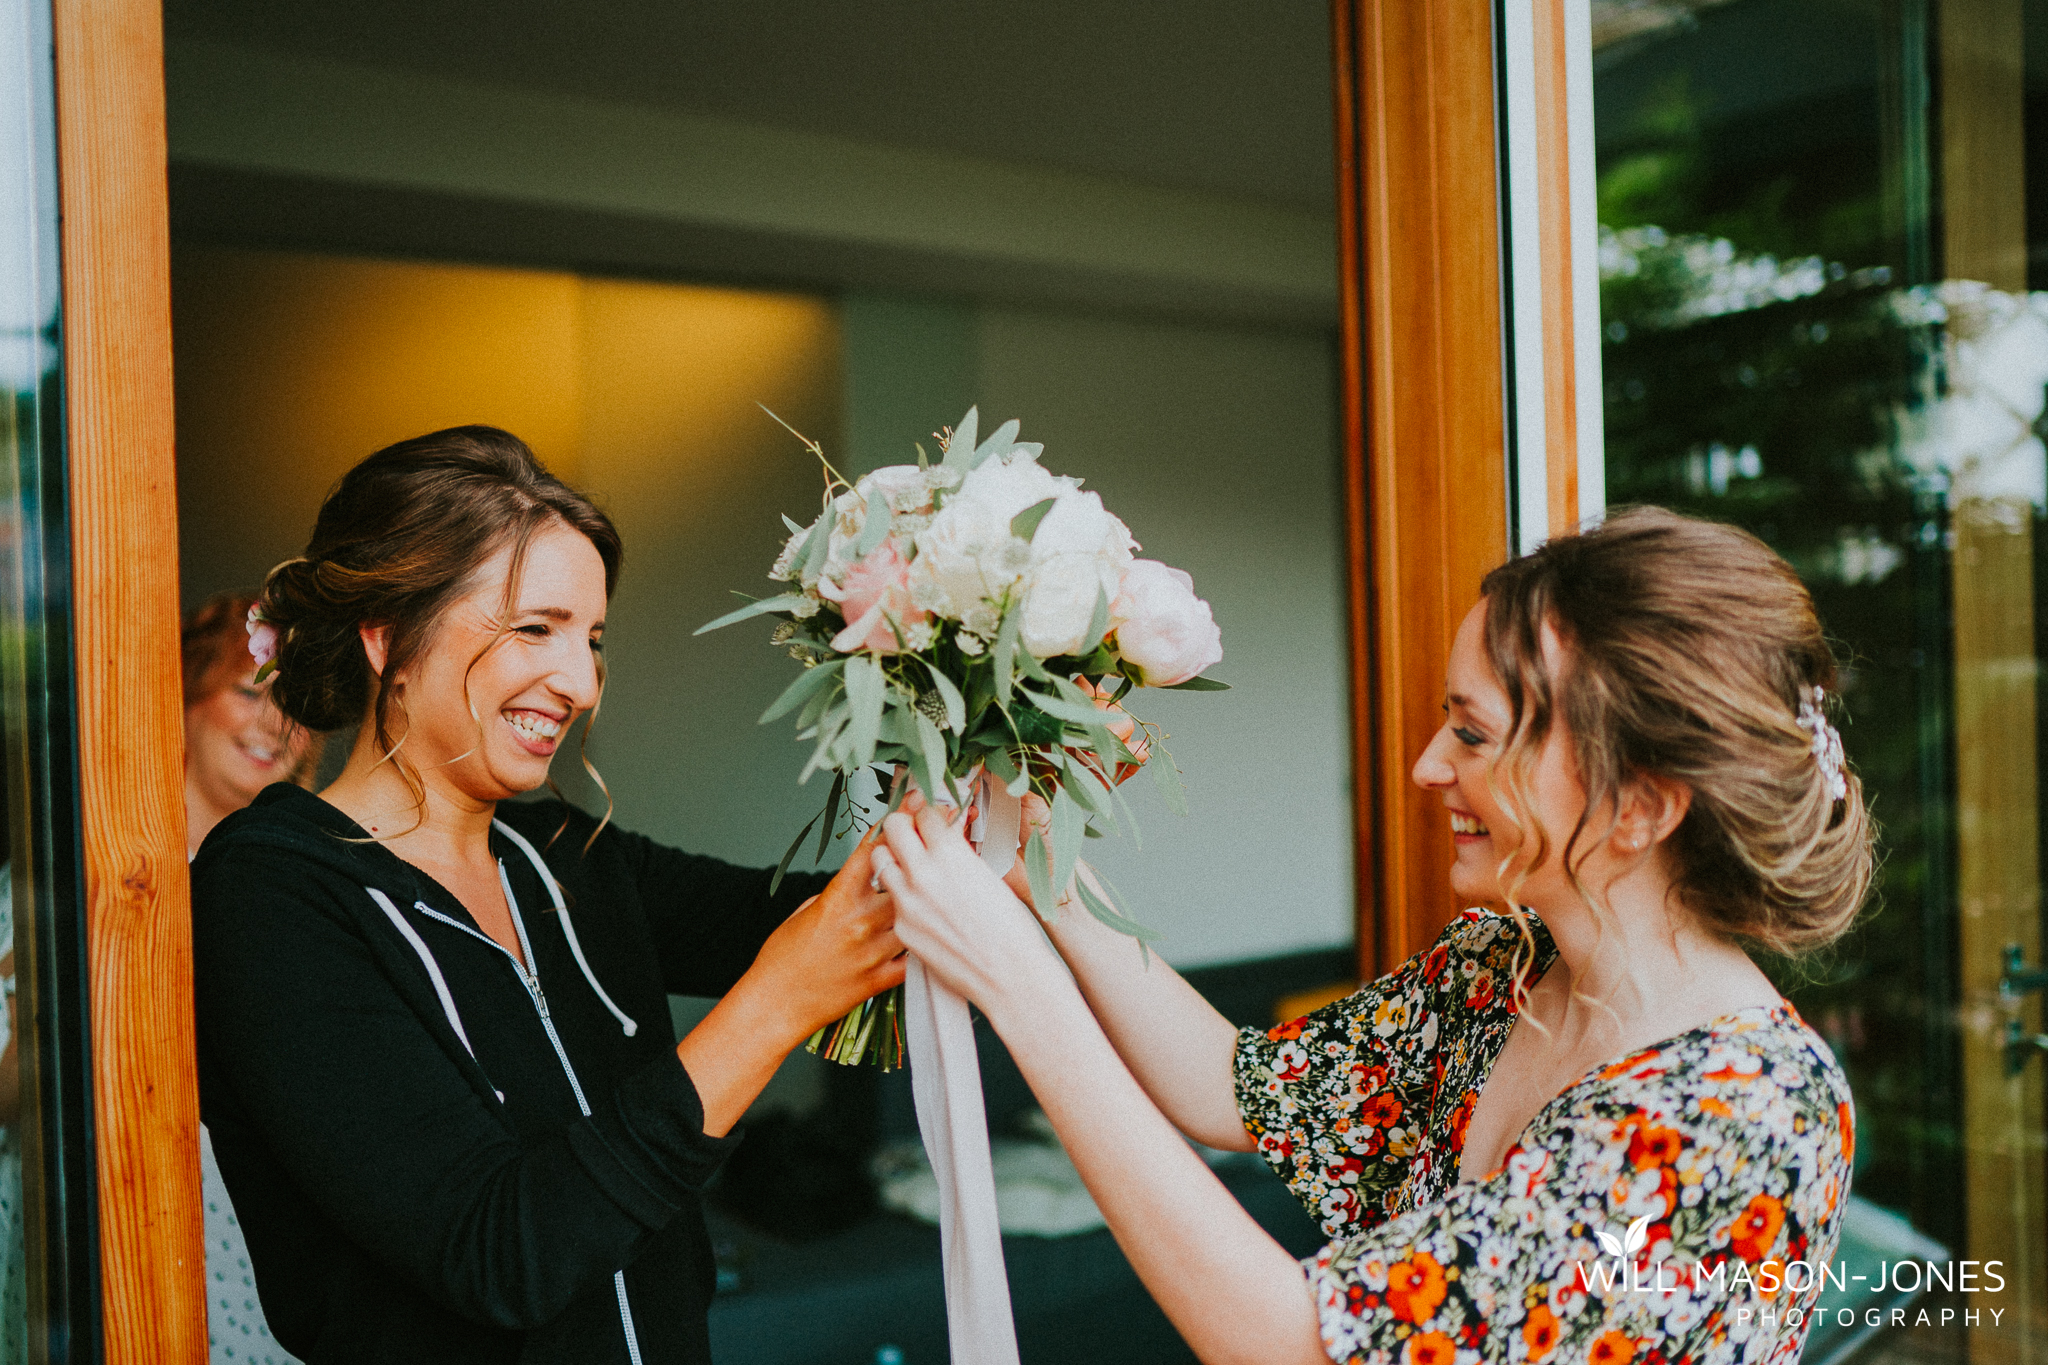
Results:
<point x="531" y="980"/>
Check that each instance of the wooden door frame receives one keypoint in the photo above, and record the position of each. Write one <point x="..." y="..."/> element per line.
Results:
<point x="1427" y="387"/>
<point x="115" y="244"/>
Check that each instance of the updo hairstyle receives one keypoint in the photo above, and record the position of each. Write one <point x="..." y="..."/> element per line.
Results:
<point x="398" y="539"/>
<point x="1687" y="647"/>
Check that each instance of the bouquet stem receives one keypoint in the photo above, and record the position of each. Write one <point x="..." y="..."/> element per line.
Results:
<point x="871" y="1033"/>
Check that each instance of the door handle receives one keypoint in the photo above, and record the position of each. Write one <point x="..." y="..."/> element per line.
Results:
<point x="2021" y="1047"/>
<point x="2019" y="979"/>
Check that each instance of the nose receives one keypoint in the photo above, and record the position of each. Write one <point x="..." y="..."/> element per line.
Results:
<point x="1433" y="770"/>
<point x="576" y="679"/>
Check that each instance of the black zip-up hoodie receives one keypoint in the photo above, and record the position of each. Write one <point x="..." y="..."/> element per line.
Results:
<point x="415" y="1173"/>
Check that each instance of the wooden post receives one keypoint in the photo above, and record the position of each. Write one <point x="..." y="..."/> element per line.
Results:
<point x="1425" y="465"/>
<point x="124" y="591"/>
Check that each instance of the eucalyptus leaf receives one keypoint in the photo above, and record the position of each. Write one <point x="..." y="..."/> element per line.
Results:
<point x="1098" y="624"/>
<point x="1039" y="874"/>
<point x="1000" y="444"/>
<point x="1027" y="450"/>
<point x="960" y="449"/>
<point x="831" y="811"/>
<point x="1067" y="824"/>
<point x="1091" y="832"/>
<point x="1115" y="918"/>
<point x="816" y="708"/>
<point x="874" y="528"/>
<point x="921" y="772"/>
<point x="1166" y="777"/>
<point x="865" y="687"/>
<point x="1025" y="524"/>
<point x="1035" y="727"/>
<point x="775" y="882"/>
<point x="956" y="705"/>
<point x="1028" y="665"/>
<point x="819" y="547"/>
<point x="802" y="690"/>
<point x="934" y="745"/>
<point x="787" y="601"/>
<point x="829" y="731"/>
<point x="1197" y="685"/>
<point x="1004" y="656"/>
<point x="998" y="762"/>
<point x="794" y="529"/>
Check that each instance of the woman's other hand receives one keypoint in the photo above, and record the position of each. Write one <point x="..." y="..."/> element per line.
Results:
<point x="839" y="948"/>
<point x="953" y="912"/>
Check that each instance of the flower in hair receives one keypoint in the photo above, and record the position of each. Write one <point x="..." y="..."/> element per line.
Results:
<point x="1827" y="742"/>
<point x="262" y="643"/>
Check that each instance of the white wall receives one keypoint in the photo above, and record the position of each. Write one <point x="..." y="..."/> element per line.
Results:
<point x="1218" y="448"/>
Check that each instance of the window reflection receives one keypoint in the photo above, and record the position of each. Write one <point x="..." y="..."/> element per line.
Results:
<point x="1815" y="260"/>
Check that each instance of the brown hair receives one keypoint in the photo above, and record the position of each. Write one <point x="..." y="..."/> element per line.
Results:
<point x="1687" y="646"/>
<point x="213" y="640"/>
<point x="398" y="539"/>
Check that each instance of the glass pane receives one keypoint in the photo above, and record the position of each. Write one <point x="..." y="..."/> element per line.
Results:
<point x="49" y="1306"/>
<point x="1818" y="237"/>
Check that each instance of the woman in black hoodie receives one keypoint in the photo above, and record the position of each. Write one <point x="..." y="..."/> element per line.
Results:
<point x="434" y="1045"/>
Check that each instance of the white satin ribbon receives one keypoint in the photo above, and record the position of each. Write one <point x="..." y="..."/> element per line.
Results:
<point x="945" y="1080"/>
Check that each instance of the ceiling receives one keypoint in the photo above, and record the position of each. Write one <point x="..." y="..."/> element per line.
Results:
<point x="1228" y="98"/>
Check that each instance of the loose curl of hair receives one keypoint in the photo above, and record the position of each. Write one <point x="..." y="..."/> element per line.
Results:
<point x="398" y="539"/>
<point x="1686" y="646"/>
<point x="213" y="643"/>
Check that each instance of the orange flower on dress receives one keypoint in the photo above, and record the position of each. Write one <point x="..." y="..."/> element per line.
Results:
<point x="1756" y="1231"/>
<point x="1289" y="1030"/>
<point x="1770" y="1273"/>
<point x="1415" y="1288"/>
<point x="1431" y="1348"/>
<point x="1613" y="1348"/>
<point x="1847" y="1117"/>
<point x="1461" y="1119"/>
<point x="1380" y="1110"/>
<point x="1651" y="1146"/>
<point x="1539" y="1333"/>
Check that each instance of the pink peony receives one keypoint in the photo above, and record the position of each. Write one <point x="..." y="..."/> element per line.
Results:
<point x="871" y="593"/>
<point x="1161" y="626"/>
<point x="262" y="638"/>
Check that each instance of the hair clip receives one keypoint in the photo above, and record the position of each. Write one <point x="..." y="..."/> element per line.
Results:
<point x="262" y="643"/>
<point x="1827" y="742"/>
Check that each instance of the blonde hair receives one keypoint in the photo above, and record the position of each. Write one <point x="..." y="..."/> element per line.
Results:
<point x="1687" y="646"/>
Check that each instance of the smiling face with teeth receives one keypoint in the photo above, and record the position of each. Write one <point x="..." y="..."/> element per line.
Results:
<point x="492" y="695"/>
<point x="237" y="743"/>
<point x="1477" y="718"/>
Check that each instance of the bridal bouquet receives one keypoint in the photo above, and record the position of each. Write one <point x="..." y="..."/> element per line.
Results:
<point x="971" y="622"/>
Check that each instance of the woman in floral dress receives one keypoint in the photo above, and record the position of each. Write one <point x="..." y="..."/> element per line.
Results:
<point x="1585" y="1130"/>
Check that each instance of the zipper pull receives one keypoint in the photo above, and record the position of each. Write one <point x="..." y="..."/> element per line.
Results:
<point x="540" y="1001"/>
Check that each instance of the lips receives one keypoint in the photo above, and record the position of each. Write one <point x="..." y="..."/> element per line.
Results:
<point x="536" y="730"/>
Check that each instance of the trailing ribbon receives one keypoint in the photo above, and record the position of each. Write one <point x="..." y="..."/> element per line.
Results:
<point x="945" y="1080"/>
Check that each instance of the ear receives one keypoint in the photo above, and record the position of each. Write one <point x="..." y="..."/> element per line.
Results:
<point x="1652" y="808"/>
<point x="376" y="645"/>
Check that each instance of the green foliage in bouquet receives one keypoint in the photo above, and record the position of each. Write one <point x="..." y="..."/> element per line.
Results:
<point x="979" y="616"/>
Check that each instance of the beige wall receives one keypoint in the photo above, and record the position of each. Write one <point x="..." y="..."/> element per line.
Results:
<point x="290" y="368"/>
<point x="1218" y="447"/>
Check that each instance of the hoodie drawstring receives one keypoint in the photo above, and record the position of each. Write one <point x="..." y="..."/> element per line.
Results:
<point x="547" y="879"/>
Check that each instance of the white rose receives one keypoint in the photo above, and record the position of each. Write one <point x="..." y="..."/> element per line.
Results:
<point x="1077" y="558"/>
<point x="1161" y="626"/>
<point x="967" y="556"/>
<point x="902" y="487"/>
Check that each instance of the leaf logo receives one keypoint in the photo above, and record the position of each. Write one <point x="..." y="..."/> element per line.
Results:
<point x="1638" y="1233"/>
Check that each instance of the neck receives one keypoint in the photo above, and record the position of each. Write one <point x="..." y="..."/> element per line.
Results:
<point x="202" y="813"/>
<point x="434" y="823"/>
<point x="1640" y="965"/>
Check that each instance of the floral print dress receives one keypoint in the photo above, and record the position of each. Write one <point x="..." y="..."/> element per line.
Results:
<point x="1671" y="1208"/>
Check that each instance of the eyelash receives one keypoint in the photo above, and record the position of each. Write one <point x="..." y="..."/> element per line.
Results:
<point x="1471" y="739"/>
<point x="540" y="631"/>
